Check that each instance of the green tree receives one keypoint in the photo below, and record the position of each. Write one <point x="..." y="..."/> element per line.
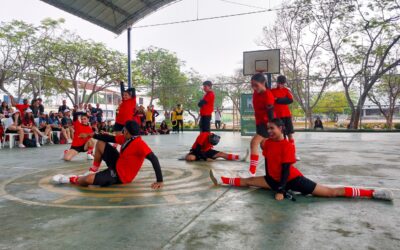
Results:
<point x="331" y="104"/>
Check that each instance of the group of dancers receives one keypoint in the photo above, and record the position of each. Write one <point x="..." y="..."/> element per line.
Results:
<point x="274" y="135"/>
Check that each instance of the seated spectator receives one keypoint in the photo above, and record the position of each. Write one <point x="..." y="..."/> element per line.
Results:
<point x="63" y="106"/>
<point x="109" y="127"/>
<point x="66" y="123"/>
<point x="102" y="127"/>
<point x="55" y="123"/>
<point x="163" y="130"/>
<point x="29" y="126"/>
<point x="44" y="126"/>
<point x="94" y="127"/>
<point x="13" y="125"/>
<point x="4" y="110"/>
<point x="318" y="123"/>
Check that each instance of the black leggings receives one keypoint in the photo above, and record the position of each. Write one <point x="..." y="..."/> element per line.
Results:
<point x="179" y="124"/>
<point x="204" y="124"/>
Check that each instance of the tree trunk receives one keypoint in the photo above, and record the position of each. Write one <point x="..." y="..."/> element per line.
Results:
<point x="196" y="119"/>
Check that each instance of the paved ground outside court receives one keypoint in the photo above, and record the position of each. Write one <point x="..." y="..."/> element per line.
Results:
<point x="190" y="213"/>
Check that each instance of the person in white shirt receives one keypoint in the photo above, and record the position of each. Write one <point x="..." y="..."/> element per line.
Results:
<point x="13" y="125"/>
<point x="218" y="118"/>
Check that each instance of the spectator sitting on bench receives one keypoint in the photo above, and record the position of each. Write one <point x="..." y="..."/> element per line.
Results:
<point x="29" y="126"/>
<point x="66" y="122"/>
<point x="55" y="123"/>
<point x="13" y="126"/>
<point x="44" y="126"/>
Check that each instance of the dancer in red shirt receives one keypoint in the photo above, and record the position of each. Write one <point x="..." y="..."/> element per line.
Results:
<point x="283" y="97"/>
<point x="79" y="145"/>
<point x="206" y="106"/>
<point x="263" y="104"/>
<point x="126" y="109"/>
<point x="202" y="149"/>
<point x="122" y="167"/>
<point x="282" y="176"/>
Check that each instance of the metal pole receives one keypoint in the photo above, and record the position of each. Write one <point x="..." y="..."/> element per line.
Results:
<point x="129" y="58"/>
<point x="269" y="80"/>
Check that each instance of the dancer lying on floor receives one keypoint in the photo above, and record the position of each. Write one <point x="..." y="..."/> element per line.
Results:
<point x="202" y="149"/>
<point x="122" y="167"/>
<point x="281" y="175"/>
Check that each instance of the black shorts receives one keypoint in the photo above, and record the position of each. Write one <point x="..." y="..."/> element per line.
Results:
<point x="56" y="129"/>
<point x="287" y="121"/>
<point x="261" y="129"/>
<point x="205" y="123"/>
<point x="109" y="176"/>
<point x="209" y="154"/>
<point x="299" y="184"/>
<point x="79" y="149"/>
<point x="118" y="127"/>
<point x="42" y="129"/>
<point x="8" y="131"/>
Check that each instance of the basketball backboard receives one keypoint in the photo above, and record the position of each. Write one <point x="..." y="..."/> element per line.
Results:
<point x="265" y="61"/>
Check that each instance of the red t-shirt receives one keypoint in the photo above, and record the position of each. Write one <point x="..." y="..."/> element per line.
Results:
<point x="203" y="141"/>
<point x="28" y="122"/>
<point x="131" y="158"/>
<point x="260" y="103"/>
<point x="282" y="110"/>
<point x="276" y="153"/>
<point x="208" y="108"/>
<point x="126" y="110"/>
<point x="79" y="129"/>
<point x="22" y="108"/>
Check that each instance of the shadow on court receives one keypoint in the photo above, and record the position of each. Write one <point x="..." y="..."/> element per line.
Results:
<point x="190" y="213"/>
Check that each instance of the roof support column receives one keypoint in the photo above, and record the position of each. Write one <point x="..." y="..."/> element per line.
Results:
<point x="129" y="58"/>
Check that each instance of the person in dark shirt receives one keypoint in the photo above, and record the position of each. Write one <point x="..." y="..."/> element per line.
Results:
<point x="318" y="123"/>
<point x="63" y="106"/>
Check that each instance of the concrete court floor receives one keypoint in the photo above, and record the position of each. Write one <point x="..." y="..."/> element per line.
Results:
<point x="192" y="214"/>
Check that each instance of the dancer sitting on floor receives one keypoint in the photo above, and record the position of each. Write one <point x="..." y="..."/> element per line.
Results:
<point x="281" y="175"/>
<point x="122" y="167"/>
<point x="202" y="149"/>
<point x="79" y="145"/>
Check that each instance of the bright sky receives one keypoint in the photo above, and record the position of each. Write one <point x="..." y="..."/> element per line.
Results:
<point x="212" y="47"/>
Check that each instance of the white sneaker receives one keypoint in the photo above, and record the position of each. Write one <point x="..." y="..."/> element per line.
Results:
<point x="60" y="179"/>
<point x="51" y="142"/>
<point x="45" y="137"/>
<point x="383" y="194"/>
<point x="90" y="157"/>
<point x="69" y="141"/>
<point x="21" y="145"/>
<point x="37" y="144"/>
<point x="298" y="158"/>
<point x="245" y="157"/>
<point x="216" y="179"/>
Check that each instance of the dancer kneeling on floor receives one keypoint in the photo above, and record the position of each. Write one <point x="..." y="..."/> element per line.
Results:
<point x="122" y="167"/>
<point x="281" y="175"/>
<point x="202" y="149"/>
<point x="79" y="144"/>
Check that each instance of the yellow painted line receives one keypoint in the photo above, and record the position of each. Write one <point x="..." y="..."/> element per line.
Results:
<point x="64" y="199"/>
<point x="116" y="199"/>
<point x="171" y="198"/>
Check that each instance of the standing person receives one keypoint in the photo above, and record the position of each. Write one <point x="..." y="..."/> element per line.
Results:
<point x="20" y="107"/>
<point x="99" y="113"/>
<point x="263" y="104"/>
<point x="63" y="106"/>
<point x="149" y="118"/>
<point x="179" y="117"/>
<point x="283" y="97"/>
<point x="126" y="109"/>
<point x="206" y="106"/>
<point x="40" y="105"/>
<point x="218" y="118"/>
<point x="174" y="122"/>
<point x="121" y="167"/>
<point x="79" y="144"/>
<point x="282" y="176"/>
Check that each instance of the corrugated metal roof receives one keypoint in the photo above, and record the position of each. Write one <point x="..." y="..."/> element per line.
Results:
<point x="113" y="15"/>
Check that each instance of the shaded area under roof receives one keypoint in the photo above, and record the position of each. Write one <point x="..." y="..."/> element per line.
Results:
<point x="113" y="15"/>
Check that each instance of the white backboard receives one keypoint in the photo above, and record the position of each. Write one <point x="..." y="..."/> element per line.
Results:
<point x="266" y="61"/>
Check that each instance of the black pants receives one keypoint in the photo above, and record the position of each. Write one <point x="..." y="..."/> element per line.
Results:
<point x="217" y="124"/>
<point x="204" y="124"/>
<point x="179" y="124"/>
